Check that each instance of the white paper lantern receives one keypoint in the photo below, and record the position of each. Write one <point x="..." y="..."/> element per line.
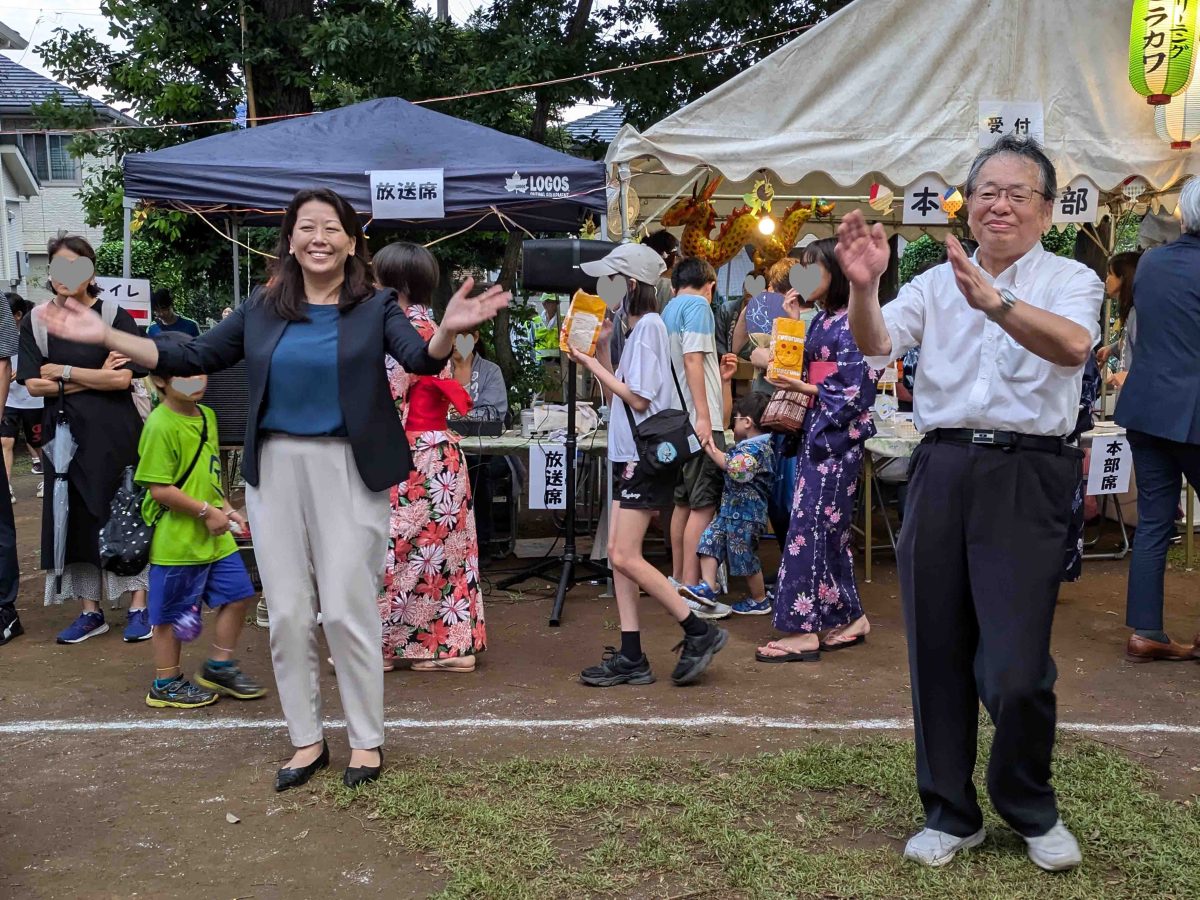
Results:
<point x="1178" y="122"/>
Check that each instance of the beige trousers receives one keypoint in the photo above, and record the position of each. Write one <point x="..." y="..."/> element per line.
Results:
<point x="320" y="538"/>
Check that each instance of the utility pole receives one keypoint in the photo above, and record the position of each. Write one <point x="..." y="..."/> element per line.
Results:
<point x="251" y="106"/>
<point x="443" y="10"/>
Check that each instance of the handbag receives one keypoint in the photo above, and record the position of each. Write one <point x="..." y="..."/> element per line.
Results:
<point x="126" y="536"/>
<point x="665" y="440"/>
<point x="785" y="412"/>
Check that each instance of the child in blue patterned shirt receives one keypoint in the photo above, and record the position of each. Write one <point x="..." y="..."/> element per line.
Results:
<point x="733" y="535"/>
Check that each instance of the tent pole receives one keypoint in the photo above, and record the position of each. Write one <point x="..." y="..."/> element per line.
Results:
<point x="127" y="237"/>
<point x="675" y="196"/>
<point x="237" y="267"/>
<point x="623" y="178"/>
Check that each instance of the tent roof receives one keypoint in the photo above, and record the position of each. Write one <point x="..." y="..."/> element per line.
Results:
<point x="889" y="90"/>
<point x="259" y="169"/>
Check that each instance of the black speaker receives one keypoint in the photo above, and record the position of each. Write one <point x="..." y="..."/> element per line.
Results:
<point x="553" y="264"/>
<point x="227" y="397"/>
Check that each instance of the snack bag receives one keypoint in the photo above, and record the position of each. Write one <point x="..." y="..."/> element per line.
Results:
<point x="582" y="328"/>
<point x="787" y="348"/>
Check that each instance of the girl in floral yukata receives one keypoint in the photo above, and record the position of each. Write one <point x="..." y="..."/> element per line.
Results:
<point x="816" y="599"/>
<point x="431" y="604"/>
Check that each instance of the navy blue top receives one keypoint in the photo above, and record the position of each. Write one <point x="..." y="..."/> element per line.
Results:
<point x="302" y="382"/>
<point x="1161" y="395"/>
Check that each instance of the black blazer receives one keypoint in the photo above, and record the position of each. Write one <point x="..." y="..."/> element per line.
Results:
<point x="366" y="332"/>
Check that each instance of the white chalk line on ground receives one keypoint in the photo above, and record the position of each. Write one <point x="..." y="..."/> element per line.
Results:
<point x="165" y="724"/>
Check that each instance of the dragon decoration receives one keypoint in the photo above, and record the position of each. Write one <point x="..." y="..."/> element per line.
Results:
<point x="698" y="216"/>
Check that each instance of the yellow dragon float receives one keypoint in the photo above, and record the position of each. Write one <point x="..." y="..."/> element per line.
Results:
<point x="698" y="216"/>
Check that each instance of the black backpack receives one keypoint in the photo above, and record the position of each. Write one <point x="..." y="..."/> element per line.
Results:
<point x="665" y="440"/>
<point x="125" y="538"/>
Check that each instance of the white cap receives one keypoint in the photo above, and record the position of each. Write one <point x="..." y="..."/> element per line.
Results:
<point x="631" y="260"/>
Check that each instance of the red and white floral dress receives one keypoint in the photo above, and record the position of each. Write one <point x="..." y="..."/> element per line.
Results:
<point x="431" y="604"/>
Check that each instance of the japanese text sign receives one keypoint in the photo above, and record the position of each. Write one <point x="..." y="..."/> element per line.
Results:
<point x="998" y="118"/>
<point x="923" y="201"/>
<point x="1077" y="202"/>
<point x="408" y="194"/>
<point x="548" y="476"/>
<point x="131" y="293"/>
<point x="1111" y="463"/>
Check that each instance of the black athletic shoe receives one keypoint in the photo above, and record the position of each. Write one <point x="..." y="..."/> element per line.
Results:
<point x="615" y="669"/>
<point x="697" y="653"/>
<point x="231" y="681"/>
<point x="10" y="625"/>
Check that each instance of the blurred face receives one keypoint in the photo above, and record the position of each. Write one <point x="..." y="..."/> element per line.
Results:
<point x="1006" y="213"/>
<point x="185" y="390"/>
<point x="1112" y="284"/>
<point x="821" y="289"/>
<point x="318" y="240"/>
<point x="742" y="427"/>
<point x="226" y="312"/>
<point x="61" y="290"/>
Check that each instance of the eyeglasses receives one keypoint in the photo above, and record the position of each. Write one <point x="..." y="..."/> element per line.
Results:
<point x="1018" y="194"/>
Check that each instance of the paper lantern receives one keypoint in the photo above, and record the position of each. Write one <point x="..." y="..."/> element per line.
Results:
<point x="1162" y="37"/>
<point x="1178" y="122"/>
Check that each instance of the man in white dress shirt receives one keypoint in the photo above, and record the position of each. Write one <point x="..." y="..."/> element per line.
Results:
<point x="1004" y="336"/>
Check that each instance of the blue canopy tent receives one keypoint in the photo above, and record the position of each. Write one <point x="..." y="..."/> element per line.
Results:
<point x="249" y="176"/>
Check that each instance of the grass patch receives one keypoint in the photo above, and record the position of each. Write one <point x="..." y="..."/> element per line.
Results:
<point x="823" y="821"/>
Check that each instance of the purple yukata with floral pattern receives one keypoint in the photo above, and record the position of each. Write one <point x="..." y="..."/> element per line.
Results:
<point x="816" y="590"/>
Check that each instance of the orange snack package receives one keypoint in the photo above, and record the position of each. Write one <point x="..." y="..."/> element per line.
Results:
<point x="582" y="327"/>
<point x="787" y="348"/>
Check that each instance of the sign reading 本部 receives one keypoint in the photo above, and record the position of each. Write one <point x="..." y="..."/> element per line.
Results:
<point x="1111" y="463"/>
<point x="408" y="194"/>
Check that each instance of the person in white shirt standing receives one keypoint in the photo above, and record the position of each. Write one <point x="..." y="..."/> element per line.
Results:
<point x="22" y="411"/>
<point x="1004" y="336"/>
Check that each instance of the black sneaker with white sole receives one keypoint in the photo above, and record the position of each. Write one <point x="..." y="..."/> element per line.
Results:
<point x="10" y="625"/>
<point x="697" y="652"/>
<point x="616" y="669"/>
<point x="230" y="681"/>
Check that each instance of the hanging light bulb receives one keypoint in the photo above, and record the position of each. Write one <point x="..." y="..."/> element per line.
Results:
<point x="766" y="224"/>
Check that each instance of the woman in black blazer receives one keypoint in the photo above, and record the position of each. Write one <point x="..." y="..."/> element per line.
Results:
<point x="323" y="446"/>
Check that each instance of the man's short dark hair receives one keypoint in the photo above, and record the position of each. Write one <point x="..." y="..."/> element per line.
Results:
<point x="663" y="243"/>
<point x="18" y="304"/>
<point x="691" y="272"/>
<point x="1026" y="148"/>
<point x="160" y="299"/>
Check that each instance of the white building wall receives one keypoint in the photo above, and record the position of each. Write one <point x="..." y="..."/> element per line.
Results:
<point x="57" y="209"/>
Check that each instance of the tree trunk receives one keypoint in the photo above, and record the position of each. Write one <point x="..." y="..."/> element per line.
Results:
<point x="280" y="88"/>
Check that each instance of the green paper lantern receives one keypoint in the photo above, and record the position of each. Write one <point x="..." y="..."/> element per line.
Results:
<point x="1162" y="39"/>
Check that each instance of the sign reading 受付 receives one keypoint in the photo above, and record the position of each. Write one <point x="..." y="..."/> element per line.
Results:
<point x="1077" y="202"/>
<point x="547" y="476"/>
<point x="997" y="118"/>
<point x="131" y="293"/>
<point x="408" y="194"/>
<point x="1111" y="464"/>
<point x="923" y="201"/>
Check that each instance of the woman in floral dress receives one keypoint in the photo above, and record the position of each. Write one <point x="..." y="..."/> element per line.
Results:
<point x="816" y="598"/>
<point x="431" y="603"/>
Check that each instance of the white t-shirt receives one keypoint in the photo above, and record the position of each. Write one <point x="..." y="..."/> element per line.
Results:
<point x="645" y="371"/>
<point x="692" y="329"/>
<point x="18" y="395"/>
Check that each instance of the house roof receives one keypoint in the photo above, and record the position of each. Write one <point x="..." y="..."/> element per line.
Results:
<point x="600" y="127"/>
<point x="21" y="88"/>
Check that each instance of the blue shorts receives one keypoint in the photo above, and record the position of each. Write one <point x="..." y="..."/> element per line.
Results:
<point x="176" y="589"/>
<point x="733" y="542"/>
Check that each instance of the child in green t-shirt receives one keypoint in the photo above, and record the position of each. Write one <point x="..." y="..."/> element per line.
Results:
<point x="193" y="557"/>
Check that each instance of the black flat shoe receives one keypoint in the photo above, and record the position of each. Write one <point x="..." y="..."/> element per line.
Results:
<point x="358" y="775"/>
<point x="286" y="779"/>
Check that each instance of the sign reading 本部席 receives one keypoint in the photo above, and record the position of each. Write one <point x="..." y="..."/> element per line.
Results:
<point x="997" y="118"/>
<point x="923" y="201"/>
<point x="131" y="293"/>
<point x="408" y="194"/>
<point x="1110" y="465"/>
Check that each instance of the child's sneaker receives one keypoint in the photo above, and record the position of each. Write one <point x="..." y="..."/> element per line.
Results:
<point x="179" y="694"/>
<point x="697" y="653"/>
<point x="701" y="593"/>
<point x="41" y="490"/>
<point x="716" y="611"/>
<point x="616" y="669"/>
<point x="230" y="680"/>
<point x="752" y="607"/>
<point x="261" y="617"/>
<point x="137" y="628"/>
<point x="89" y="624"/>
<point x="35" y="465"/>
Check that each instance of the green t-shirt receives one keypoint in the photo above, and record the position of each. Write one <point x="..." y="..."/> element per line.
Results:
<point x="169" y="442"/>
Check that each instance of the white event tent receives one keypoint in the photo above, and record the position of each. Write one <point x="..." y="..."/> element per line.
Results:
<point x="890" y="91"/>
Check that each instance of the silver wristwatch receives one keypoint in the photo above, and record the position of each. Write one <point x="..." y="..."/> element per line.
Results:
<point x="66" y="373"/>
<point x="1007" y="301"/>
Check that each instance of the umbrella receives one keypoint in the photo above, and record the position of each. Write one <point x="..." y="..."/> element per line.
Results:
<point x="60" y="450"/>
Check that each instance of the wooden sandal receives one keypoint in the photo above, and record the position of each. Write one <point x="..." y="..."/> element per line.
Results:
<point x="446" y="664"/>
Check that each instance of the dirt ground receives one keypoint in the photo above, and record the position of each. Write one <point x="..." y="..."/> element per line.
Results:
<point x="116" y="809"/>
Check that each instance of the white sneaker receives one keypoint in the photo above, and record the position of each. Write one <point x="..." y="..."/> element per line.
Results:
<point x="1056" y="850"/>
<point x="261" y="617"/>
<point x="936" y="848"/>
<point x="716" y="611"/>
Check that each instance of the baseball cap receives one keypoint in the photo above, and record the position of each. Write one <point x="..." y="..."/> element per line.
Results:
<point x="631" y="260"/>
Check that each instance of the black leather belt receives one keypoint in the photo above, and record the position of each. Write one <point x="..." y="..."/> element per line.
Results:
<point x="1009" y="440"/>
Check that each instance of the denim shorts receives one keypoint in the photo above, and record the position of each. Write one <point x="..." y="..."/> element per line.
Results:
<point x="176" y="589"/>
